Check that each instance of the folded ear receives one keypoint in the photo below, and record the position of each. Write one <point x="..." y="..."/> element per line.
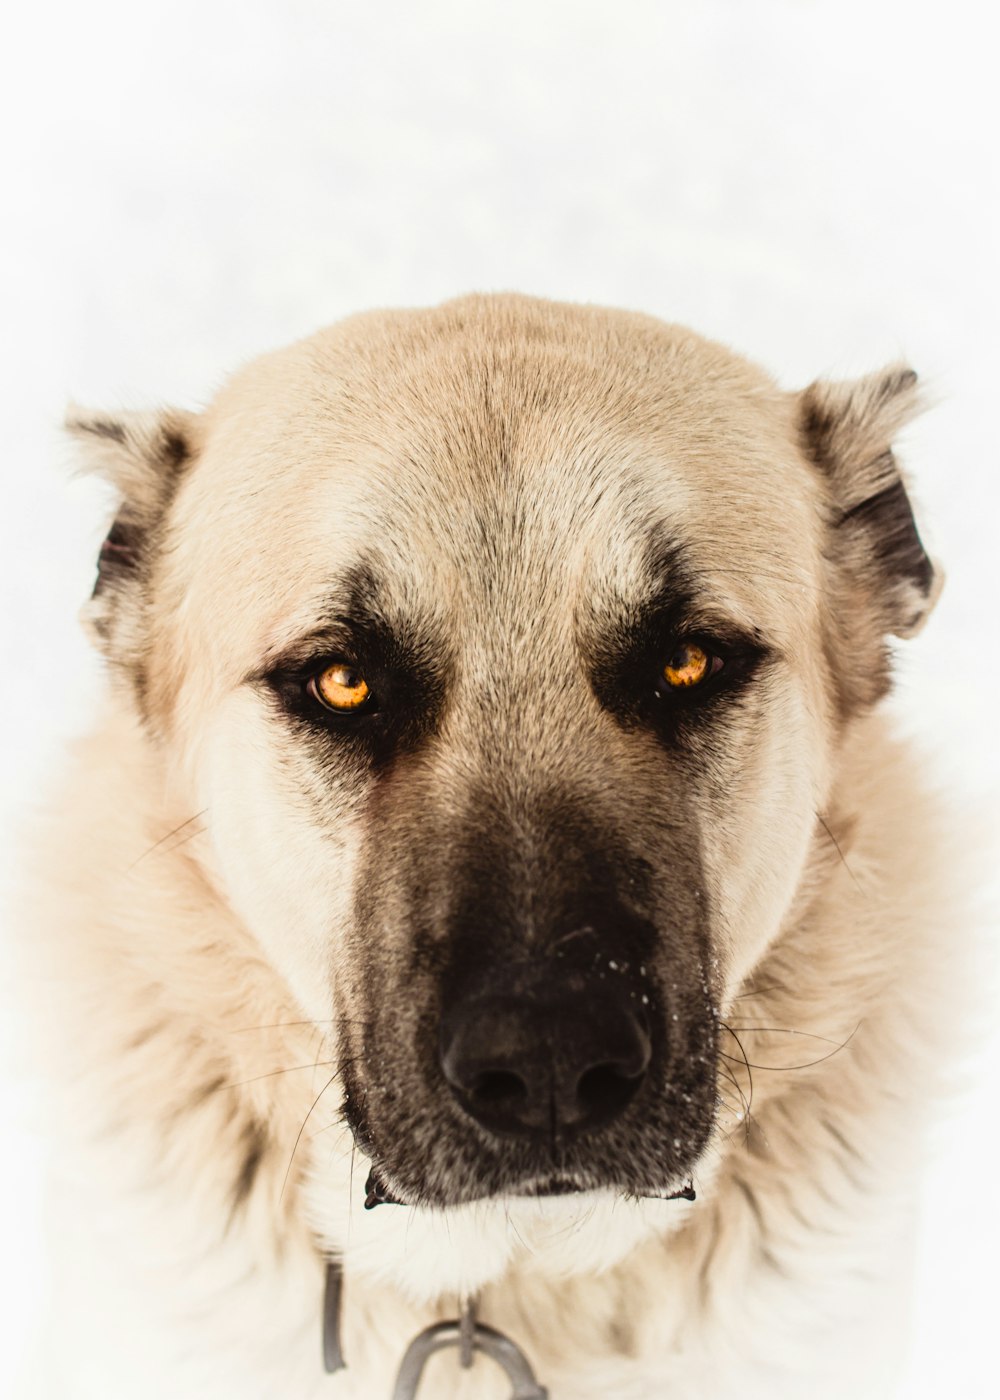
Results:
<point x="880" y="578"/>
<point x="144" y="456"/>
<point x="848" y="430"/>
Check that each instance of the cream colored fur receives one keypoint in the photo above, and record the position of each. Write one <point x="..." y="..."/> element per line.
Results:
<point x="179" y="1018"/>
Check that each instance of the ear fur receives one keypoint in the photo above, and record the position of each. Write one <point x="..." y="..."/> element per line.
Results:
<point x="141" y="454"/>
<point x="144" y="456"/>
<point x="882" y="579"/>
<point x="848" y="429"/>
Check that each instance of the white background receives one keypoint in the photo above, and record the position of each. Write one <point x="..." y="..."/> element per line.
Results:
<point x="811" y="181"/>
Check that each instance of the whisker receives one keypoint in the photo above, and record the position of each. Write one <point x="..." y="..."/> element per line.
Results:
<point x="276" y="1025"/>
<point x="736" y="1108"/>
<point x="298" y="1136"/>
<point x="759" y="992"/>
<point x="510" y="1224"/>
<point x="337" y="1123"/>
<point x="350" y="1186"/>
<point x="836" y="845"/>
<point x="292" y="1069"/>
<point x="730" y="1076"/>
<point x="782" y="1069"/>
<point x="163" y="839"/>
<point x="745" y="1114"/>
<point x="198" y="831"/>
<point x="785" y="1030"/>
<point x="745" y="1061"/>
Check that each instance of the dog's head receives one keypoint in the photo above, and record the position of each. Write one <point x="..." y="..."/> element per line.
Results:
<point x="507" y="647"/>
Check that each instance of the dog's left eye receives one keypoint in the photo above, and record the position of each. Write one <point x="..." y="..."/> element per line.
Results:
<point x="689" y="665"/>
<point x="341" y="687"/>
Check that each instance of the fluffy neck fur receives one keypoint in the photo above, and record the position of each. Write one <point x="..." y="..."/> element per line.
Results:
<point x="186" y="1076"/>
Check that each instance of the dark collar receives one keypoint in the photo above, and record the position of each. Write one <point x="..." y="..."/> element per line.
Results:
<point x="465" y="1333"/>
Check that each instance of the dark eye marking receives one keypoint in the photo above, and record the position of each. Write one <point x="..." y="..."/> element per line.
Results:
<point x="365" y="683"/>
<point x="362" y="704"/>
<point x="672" y="660"/>
<point x="671" y="674"/>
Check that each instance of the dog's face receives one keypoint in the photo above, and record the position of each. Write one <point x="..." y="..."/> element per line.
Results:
<point x="507" y="648"/>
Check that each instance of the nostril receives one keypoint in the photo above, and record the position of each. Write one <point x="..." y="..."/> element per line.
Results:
<point x="604" y="1090"/>
<point x="498" y="1087"/>
<point x="539" y="1060"/>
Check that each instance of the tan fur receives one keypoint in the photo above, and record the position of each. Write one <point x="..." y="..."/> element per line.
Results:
<point x="191" y="911"/>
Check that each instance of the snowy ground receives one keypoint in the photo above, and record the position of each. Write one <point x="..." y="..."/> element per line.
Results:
<point x="812" y="182"/>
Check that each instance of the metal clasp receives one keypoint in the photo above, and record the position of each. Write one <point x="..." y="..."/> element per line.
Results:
<point x="470" y="1337"/>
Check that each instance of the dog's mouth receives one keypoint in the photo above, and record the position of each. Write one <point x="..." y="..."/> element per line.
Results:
<point x="566" y="1186"/>
<point x="378" y="1193"/>
<point x="552" y="1186"/>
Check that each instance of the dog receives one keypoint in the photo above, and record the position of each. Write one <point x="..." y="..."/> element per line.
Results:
<point x="493" y="820"/>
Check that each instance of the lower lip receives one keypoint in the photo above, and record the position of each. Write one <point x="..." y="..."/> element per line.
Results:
<point x="556" y="1187"/>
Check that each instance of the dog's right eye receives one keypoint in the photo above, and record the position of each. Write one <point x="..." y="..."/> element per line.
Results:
<point x="340" y="686"/>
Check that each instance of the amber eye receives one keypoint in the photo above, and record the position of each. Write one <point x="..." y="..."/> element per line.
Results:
<point x="340" y="686"/>
<point x="689" y="665"/>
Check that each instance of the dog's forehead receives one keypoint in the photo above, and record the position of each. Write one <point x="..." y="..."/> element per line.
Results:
<point x="481" y="474"/>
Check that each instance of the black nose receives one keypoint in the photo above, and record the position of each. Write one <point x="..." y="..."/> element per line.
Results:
<point x="547" y="1061"/>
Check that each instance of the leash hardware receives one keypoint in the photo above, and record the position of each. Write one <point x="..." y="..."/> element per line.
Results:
<point x="483" y="1339"/>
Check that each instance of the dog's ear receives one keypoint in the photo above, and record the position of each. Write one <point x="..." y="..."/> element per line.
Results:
<point x="143" y="456"/>
<point x="848" y="431"/>
<point x="882" y="580"/>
